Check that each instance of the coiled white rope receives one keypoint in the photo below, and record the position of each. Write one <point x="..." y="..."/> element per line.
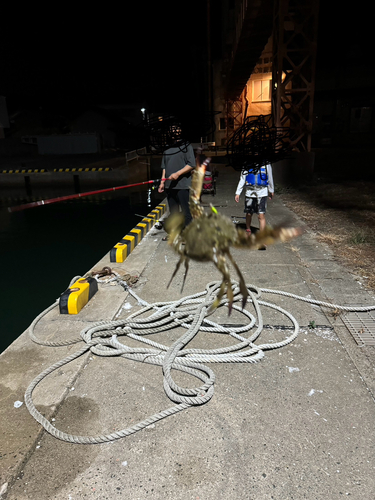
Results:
<point x="188" y="312"/>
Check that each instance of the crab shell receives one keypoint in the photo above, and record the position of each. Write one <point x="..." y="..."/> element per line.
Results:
<point x="209" y="238"/>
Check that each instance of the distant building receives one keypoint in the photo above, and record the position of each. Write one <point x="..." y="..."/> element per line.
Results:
<point x="254" y="100"/>
<point x="97" y="122"/>
<point x="114" y="127"/>
<point x="345" y="102"/>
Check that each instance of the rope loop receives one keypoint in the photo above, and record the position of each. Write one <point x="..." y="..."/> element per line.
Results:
<point x="188" y="313"/>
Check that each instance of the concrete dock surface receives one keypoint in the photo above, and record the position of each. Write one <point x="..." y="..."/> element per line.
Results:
<point x="297" y="424"/>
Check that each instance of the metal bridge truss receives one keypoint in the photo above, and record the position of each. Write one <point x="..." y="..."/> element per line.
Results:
<point x="233" y="117"/>
<point x="295" y="28"/>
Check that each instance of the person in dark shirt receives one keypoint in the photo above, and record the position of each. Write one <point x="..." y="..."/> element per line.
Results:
<point x="177" y="165"/>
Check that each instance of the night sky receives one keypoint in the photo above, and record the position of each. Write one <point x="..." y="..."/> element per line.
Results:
<point x="62" y="58"/>
<point x="344" y="33"/>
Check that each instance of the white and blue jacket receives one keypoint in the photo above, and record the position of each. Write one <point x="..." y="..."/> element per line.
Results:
<point x="257" y="186"/>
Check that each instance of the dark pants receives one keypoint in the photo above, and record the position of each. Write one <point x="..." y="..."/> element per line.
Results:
<point x="179" y="198"/>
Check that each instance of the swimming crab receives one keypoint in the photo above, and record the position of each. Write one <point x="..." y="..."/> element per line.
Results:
<point x="210" y="235"/>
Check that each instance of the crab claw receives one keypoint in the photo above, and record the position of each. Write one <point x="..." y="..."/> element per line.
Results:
<point x="282" y="234"/>
<point x="268" y="236"/>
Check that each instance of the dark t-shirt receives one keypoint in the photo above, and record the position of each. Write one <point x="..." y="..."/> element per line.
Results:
<point x="175" y="159"/>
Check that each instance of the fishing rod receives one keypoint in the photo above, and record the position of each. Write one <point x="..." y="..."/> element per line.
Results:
<point x="17" y="208"/>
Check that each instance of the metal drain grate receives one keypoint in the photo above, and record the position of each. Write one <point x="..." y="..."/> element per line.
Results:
<point x="362" y="326"/>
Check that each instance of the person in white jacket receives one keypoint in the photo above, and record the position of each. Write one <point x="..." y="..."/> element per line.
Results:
<point x="258" y="188"/>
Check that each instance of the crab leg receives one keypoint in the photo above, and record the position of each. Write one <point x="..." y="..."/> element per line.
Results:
<point x="185" y="274"/>
<point x="243" y="288"/>
<point x="267" y="236"/>
<point x="182" y="258"/>
<point x="186" y="262"/>
<point x="196" y="208"/>
<point x="225" y="285"/>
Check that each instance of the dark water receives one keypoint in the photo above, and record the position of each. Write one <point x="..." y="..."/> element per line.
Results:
<point x="43" y="248"/>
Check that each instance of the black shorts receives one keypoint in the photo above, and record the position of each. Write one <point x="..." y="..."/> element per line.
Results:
<point x="255" y="206"/>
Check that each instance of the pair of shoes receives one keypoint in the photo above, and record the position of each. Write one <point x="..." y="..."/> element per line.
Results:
<point x="165" y="238"/>
<point x="263" y="247"/>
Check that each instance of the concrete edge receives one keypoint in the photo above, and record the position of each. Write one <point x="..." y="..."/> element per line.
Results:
<point x="139" y="258"/>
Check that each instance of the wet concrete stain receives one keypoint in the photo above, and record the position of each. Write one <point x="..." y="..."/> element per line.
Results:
<point x="59" y="462"/>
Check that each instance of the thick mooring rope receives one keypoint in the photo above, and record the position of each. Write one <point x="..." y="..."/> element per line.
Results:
<point x="101" y="338"/>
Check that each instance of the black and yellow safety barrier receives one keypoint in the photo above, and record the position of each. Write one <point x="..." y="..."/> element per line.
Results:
<point x="24" y="171"/>
<point x="127" y="244"/>
<point x="94" y="169"/>
<point x="77" y="295"/>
